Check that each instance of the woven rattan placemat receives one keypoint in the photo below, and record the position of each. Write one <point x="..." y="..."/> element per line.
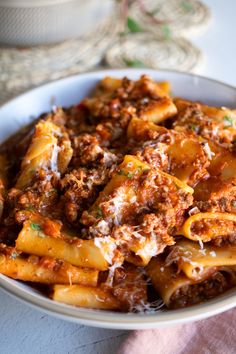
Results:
<point x="24" y="68"/>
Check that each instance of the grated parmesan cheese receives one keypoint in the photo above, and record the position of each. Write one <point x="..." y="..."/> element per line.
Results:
<point x="149" y="248"/>
<point x="69" y="277"/>
<point x="54" y="158"/>
<point x="107" y="246"/>
<point x="98" y="298"/>
<point x="200" y="243"/>
<point x="193" y="211"/>
<point x="116" y="204"/>
<point x="112" y="268"/>
<point x="208" y="151"/>
<point x="148" y="307"/>
<point x="103" y="227"/>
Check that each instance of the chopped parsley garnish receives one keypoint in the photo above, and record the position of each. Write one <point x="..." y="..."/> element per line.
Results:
<point x="228" y="121"/>
<point x="99" y="213"/>
<point x="130" y="175"/>
<point x="194" y="127"/>
<point x="30" y="208"/>
<point x="133" y="26"/>
<point x="35" y="227"/>
<point x="134" y="63"/>
<point x="139" y="169"/>
<point x="51" y="192"/>
<point x="121" y="173"/>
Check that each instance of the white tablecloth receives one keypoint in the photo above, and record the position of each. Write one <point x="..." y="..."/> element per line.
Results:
<point x="25" y="330"/>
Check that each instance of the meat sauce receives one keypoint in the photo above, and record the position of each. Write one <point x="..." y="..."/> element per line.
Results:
<point x="128" y="163"/>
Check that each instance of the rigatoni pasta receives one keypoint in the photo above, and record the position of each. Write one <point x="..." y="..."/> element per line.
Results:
<point x="46" y="270"/>
<point x="125" y="201"/>
<point x="77" y="295"/>
<point x="33" y="240"/>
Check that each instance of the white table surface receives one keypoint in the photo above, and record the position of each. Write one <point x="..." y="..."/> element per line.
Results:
<point x="25" y="330"/>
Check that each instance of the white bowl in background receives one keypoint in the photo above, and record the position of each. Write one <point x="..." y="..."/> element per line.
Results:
<point x="22" y="110"/>
<point x="28" y="23"/>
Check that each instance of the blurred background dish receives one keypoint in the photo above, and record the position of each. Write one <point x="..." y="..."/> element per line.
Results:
<point x="30" y="23"/>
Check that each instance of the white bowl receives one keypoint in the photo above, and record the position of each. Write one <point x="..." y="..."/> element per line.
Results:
<point x="66" y="92"/>
<point x="28" y="23"/>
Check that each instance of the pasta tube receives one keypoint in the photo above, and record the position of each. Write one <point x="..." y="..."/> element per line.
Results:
<point x="186" y="154"/>
<point x="198" y="263"/>
<point x="159" y="110"/>
<point x="165" y="280"/>
<point x="177" y="290"/>
<point x="82" y="253"/>
<point x="45" y="270"/>
<point x="139" y="129"/>
<point x="76" y="295"/>
<point x="208" y="226"/>
<point x="50" y="148"/>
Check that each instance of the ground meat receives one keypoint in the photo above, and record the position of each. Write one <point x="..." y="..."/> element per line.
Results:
<point x="145" y="222"/>
<point x="88" y="151"/>
<point x="215" y="195"/>
<point x="200" y="120"/>
<point x="131" y="99"/>
<point x="80" y="188"/>
<point x="119" y="169"/>
<point x="178" y="153"/>
<point x="130" y="287"/>
<point x="41" y="198"/>
<point x="195" y="293"/>
<point x="145" y="240"/>
<point x="154" y="153"/>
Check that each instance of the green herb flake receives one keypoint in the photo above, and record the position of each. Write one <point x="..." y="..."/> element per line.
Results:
<point x="194" y="127"/>
<point x="14" y="255"/>
<point x="35" y="227"/>
<point x="51" y="192"/>
<point x="228" y="121"/>
<point x="134" y="63"/>
<point x="166" y="31"/>
<point x="121" y="173"/>
<point x="99" y="213"/>
<point x="133" y="26"/>
<point x="30" y="208"/>
<point x="186" y="6"/>
<point x="130" y="175"/>
<point x="139" y="169"/>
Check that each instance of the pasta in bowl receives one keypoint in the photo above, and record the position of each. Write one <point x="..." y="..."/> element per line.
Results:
<point x="124" y="201"/>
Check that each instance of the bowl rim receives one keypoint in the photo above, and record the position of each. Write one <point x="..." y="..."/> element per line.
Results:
<point x="104" y="71"/>
<point x="109" y="319"/>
